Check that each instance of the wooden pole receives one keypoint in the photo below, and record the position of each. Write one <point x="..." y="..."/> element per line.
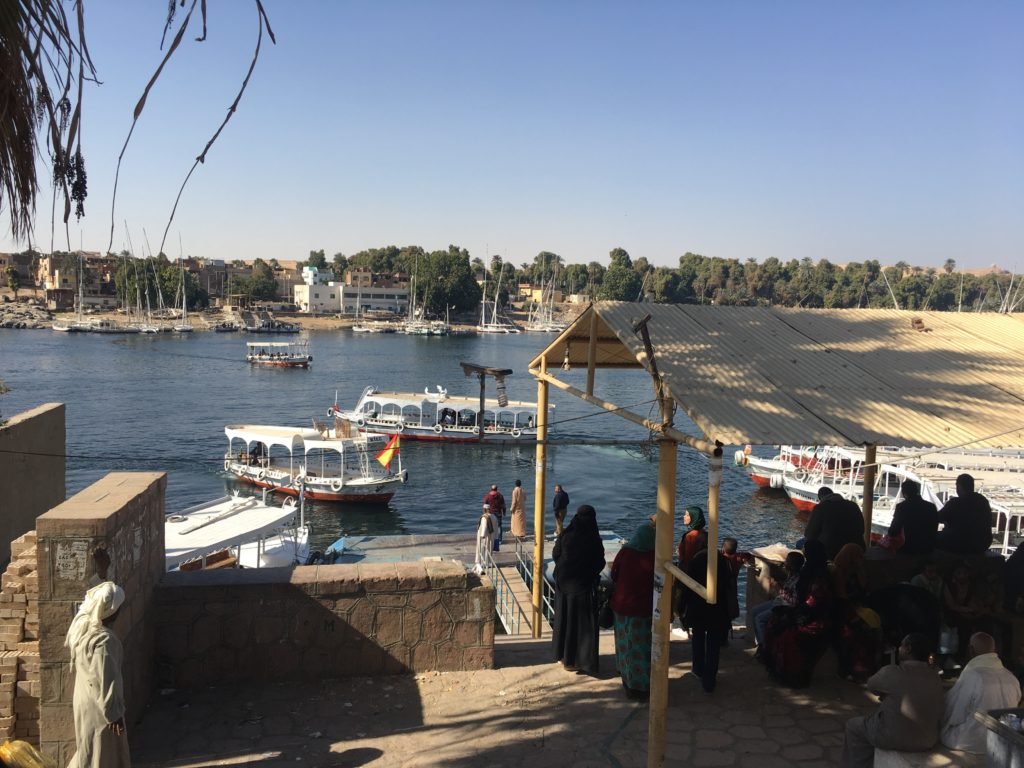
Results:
<point x="540" y="481"/>
<point x="591" y="353"/>
<point x="868" y="503"/>
<point x="714" y="486"/>
<point x="483" y="405"/>
<point x="662" y="618"/>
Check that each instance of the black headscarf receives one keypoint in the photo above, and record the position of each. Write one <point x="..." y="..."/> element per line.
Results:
<point x="579" y="553"/>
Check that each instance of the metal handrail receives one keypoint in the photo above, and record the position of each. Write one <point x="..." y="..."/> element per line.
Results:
<point x="524" y="564"/>
<point x="507" y="607"/>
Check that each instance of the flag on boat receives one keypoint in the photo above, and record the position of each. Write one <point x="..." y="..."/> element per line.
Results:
<point x="388" y="453"/>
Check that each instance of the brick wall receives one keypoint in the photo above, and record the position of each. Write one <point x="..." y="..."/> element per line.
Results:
<point x="19" y="646"/>
<point x="31" y="470"/>
<point x="124" y="514"/>
<point x="312" y="622"/>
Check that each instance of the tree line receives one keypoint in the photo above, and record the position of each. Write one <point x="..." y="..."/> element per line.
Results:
<point x="450" y="278"/>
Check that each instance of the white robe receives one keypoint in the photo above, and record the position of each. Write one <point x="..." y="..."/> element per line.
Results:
<point x="99" y="701"/>
<point x="983" y="685"/>
<point x="485" y="534"/>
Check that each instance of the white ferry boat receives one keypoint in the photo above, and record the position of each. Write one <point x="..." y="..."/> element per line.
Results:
<point x="322" y="464"/>
<point x="440" y="416"/>
<point x="278" y="354"/>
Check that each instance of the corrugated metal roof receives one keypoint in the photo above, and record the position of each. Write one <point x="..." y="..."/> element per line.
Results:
<point x="814" y="376"/>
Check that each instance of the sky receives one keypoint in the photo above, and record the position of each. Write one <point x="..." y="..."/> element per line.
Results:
<point x="843" y="131"/>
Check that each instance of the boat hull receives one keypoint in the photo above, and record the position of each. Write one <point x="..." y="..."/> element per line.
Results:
<point x="345" y="496"/>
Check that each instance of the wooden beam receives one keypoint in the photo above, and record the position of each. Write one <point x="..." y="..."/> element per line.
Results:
<point x="540" y="480"/>
<point x="662" y="619"/>
<point x="868" y="503"/>
<point x="694" y="442"/>
<point x="591" y="353"/>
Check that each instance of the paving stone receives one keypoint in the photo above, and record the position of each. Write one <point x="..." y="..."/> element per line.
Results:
<point x="713" y="739"/>
<point x="764" y="761"/>
<point x="756" y="746"/>
<point x="779" y="721"/>
<point x="819" y="725"/>
<point x="786" y="735"/>
<point x="747" y="732"/>
<point x="711" y="757"/>
<point x="802" y="752"/>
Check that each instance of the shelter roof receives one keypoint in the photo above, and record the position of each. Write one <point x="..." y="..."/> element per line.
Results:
<point x="816" y="376"/>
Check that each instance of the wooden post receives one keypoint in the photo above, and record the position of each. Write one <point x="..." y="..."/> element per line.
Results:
<point x="714" y="486"/>
<point x="662" y="618"/>
<point x="591" y="353"/>
<point x="540" y="480"/>
<point x="483" y="406"/>
<point x="868" y="503"/>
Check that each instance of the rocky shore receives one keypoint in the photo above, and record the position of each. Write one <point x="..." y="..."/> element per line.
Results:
<point x="20" y="314"/>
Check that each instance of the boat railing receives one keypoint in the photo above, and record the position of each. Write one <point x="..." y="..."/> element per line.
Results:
<point x="511" y="614"/>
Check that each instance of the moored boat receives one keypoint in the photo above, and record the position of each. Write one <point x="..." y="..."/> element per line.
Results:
<point x="236" y="532"/>
<point x="439" y="416"/>
<point x="322" y="464"/>
<point x="278" y="354"/>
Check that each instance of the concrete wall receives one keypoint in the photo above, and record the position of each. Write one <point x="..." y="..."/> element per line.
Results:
<point x="31" y="471"/>
<point x="313" y="622"/>
<point x="124" y="514"/>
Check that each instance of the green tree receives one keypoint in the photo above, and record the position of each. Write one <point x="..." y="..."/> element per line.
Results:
<point x="448" y="282"/>
<point x="262" y="285"/>
<point x="949" y="267"/>
<point x="340" y="263"/>
<point x="317" y="259"/>
<point x="620" y="283"/>
<point x="13" y="281"/>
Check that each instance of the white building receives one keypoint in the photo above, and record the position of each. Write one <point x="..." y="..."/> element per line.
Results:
<point x="335" y="298"/>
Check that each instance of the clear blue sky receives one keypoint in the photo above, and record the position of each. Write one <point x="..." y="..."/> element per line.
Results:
<point x="882" y="130"/>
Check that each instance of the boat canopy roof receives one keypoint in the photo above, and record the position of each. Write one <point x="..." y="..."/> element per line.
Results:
<point x="276" y="344"/>
<point x="229" y="522"/>
<point x="420" y="399"/>
<point x="297" y="440"/>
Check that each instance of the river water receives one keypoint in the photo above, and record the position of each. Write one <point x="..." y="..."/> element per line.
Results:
<point x="145" y="403"/>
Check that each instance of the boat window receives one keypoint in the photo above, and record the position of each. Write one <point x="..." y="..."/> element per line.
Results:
<point x="411" y="414"/>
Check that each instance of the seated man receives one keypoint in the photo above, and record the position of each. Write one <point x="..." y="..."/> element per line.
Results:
<point x="983" y="685"/>
<point x="908" y="717"/>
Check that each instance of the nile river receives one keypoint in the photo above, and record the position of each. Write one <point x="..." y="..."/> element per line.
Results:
<point x="161" y="403"/>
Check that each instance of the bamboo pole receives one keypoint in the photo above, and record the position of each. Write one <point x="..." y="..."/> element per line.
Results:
<point x="539" y="483"/>
<point x="868" y="495"/>
<point x="662" y="618"/>
<point x="671" y="432"/>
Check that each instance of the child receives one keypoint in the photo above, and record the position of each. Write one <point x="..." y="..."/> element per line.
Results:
<point x="786" y="596"/>
<point x="929" y="579"/>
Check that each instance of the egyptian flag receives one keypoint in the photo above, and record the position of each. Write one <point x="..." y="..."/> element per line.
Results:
<point x="389" y="452"/>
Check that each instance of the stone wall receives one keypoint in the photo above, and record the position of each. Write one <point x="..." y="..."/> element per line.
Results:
<point x="312" y="622"/>
<point x="124" y="514"/>
<point x="19" y="643"/>
<point x="31" y="470"/>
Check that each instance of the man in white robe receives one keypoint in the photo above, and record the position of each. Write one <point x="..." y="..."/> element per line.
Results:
<point x="485" y="533"/>
<point x="98" y="704"/>
<point x="984" y="684"/>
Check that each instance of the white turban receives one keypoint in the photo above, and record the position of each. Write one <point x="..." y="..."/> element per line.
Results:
<point x="101" y="602"/>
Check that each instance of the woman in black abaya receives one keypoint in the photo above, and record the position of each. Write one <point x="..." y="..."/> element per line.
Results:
<point x="579" y="560"/>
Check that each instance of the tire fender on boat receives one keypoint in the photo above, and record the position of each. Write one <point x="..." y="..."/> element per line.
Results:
<point x="476" y="430"/>
<point x="330" y="411"/>
<point x="739" y="458"/>
<point x="261" y="474"/>
<point x="227" y="464"/>
<point x="336" y="484"/>
<point x="775" y="481"/>
<point x="800" y="475"/>
<point x="438" y="428"/>
<point x="360" y="422"/>
<point x="516" y="432"/>
<point x="405" y="475"/>
<point x="400" y="427"/>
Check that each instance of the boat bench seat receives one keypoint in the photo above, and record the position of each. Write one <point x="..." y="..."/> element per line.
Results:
<point x="939" y="757"/>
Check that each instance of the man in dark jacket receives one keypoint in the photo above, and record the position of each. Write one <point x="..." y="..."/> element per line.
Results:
<point x="916" y="519"/>
<point x="560" y="503"/>
<point x="967" y="521"/>
<point x="495" y="503"/>
<point x="835" y="522"/>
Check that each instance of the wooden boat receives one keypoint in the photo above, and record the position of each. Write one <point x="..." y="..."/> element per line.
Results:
<point x="439" y="416"/>
<point x="323" y="463"/>
<point x="278" y="354"/>
<point x="236" y="532"/>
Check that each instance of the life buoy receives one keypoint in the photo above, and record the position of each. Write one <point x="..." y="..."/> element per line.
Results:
<point x="227" y="464"/>
<point x="400" y="427"/>
<point x="516" y="433"/>
<point x="360" y="422"/>
<point x="438" y="428"/>
<point x="336" y="484"/>
<point x="476" y="430"/>
<point x="800" y="474"/>
<point x="405" y="475"/>
<point x="261" y="474"/>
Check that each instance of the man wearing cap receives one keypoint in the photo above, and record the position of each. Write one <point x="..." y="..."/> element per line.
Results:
<point x="98" y="701"/>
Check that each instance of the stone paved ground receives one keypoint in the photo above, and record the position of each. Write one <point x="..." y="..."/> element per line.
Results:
<point x="529" y="712"/>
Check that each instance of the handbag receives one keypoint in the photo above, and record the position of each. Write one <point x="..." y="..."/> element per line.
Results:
<point x="606" y="616"/>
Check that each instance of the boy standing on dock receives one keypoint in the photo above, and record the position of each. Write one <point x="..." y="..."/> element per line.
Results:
<point x="560" y="503"/>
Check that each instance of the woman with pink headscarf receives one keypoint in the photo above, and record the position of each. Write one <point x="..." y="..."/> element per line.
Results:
<point x="96" y="658"/>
